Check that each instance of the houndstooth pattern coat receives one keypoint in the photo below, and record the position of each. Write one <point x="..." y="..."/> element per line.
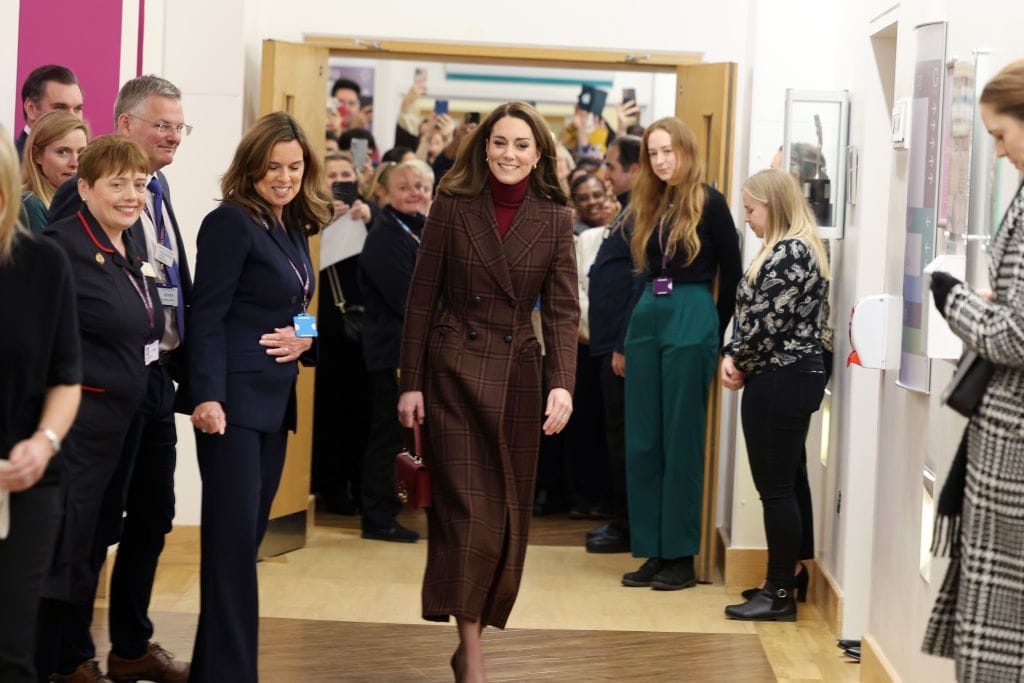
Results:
<point x="978" y="618"/>
<point x="469" y="346"/>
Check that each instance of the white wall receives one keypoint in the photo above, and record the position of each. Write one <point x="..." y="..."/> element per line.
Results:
<point x="9" y="86"/>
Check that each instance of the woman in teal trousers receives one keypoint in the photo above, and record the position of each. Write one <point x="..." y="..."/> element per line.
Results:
<point x="683" y="236"/>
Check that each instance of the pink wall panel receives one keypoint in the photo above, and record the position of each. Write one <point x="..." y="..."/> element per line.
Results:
<point x="83" y="36"/>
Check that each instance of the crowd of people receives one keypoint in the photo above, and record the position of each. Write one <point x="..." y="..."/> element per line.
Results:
<point x="551" y="312"/>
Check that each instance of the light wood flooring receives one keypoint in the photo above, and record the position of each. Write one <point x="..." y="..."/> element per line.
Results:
<point x="347" y="609"/>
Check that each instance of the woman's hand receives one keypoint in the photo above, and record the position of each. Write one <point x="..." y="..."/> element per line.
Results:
<point x="558" y="411"/>
<point x="410" y="408"/>
<point x="340" y="209"/>
<point x="986" y="294"/>
<point x="361" y="211"/>
<point x="619" y="363"/>
<point x="283" y="344"/>
<point x="732" y="377"/>
<point x="26" y="463"/>
<point x="209" y="418"/>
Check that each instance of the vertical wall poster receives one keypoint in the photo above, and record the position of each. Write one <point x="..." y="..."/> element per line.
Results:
<point x="922" y="198"/>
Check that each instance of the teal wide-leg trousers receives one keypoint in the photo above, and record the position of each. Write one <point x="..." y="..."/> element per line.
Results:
<point x="671" y="356"/>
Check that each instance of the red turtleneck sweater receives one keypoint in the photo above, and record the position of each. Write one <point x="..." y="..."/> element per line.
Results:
<point x="507" y="199"/>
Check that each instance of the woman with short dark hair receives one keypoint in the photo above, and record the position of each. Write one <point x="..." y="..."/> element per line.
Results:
<point x="248" y="330"/>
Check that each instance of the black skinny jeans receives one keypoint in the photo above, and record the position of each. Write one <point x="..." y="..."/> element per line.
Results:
<point x="776" y="412"/>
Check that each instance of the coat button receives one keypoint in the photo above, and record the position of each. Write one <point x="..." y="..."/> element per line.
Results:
<point x="443" y="332"/>
<point x="295" y="299"/>
<point x="508" y="338"/>
<point x="473" y="334"/>
<point x="511" y="303"/>
<point x="475" y="299"/>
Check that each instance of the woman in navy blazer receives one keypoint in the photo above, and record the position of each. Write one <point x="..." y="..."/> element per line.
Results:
<point x="253" y="277"/>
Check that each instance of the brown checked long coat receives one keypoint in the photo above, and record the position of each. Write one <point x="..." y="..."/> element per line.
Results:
<point x="468" y="345"/>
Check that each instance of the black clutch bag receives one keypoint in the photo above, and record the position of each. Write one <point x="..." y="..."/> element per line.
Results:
<point x="964" y="391"/>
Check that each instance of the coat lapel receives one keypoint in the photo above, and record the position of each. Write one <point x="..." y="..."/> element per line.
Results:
<point x="526" y="229"/>
<point x="482" y="228"/>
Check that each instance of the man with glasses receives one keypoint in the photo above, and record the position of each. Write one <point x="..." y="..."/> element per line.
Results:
<point x="138" y="505"/>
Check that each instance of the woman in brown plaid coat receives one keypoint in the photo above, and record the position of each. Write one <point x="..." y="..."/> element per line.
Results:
<point x="498" y="237"/>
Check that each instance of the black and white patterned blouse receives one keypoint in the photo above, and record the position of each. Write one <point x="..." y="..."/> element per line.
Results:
<point x="779" y="317"/>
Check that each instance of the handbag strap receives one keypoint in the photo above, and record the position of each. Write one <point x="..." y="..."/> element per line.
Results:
<point x="417" y="440"/>
<point x="336" y="292"/>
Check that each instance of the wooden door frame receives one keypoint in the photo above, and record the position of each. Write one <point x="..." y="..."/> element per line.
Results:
<point x="617" y="60"/>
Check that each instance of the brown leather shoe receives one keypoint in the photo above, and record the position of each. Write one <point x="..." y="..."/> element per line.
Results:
<point x="157" y="665"/>
<point x="87" y="672"/>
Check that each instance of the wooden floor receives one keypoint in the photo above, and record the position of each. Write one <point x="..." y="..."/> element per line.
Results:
<point x="346" y="609"/>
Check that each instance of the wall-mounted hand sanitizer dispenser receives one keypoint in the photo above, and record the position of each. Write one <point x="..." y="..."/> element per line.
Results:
<point x="876" y="327"/>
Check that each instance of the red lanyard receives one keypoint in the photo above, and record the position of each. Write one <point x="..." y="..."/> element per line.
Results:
<point x="304" y="283"/>
<point x="143" y="293"/>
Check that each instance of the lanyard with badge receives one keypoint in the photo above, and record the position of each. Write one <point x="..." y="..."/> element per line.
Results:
<point x="662" y="286"/>
<point x="166" y="257"/>
<point x="304" y="323"/>
<point x="405" y="227"/>
<point x="152" y="350"/>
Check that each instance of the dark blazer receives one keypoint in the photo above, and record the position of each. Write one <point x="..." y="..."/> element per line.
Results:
<point x="469" y="345"/>
<point x="19" y="143"/>
<point x="245" y="287"/>
<point x="611" y="292"/>
<point x="66" y="202"/>
<point x="385" y="271"/>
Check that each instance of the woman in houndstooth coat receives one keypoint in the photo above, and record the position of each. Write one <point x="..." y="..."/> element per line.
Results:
<point x="499" y="236"/>
<point x="978" y="618"/>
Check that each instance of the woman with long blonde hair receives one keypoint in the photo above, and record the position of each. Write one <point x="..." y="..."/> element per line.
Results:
<point x="683" y="236"/>
<point x="51" y="158"/>
<point x="776" y="353"/>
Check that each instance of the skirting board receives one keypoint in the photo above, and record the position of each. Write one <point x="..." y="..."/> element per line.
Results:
<point x="745" y="567"/>
<point x="874" y="667"/>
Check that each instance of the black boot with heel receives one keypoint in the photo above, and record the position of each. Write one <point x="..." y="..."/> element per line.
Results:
<point x="801" y="581"/>
<point x="769" y="604"/>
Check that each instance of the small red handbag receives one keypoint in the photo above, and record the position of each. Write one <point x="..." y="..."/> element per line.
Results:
<point x="412" y="478"/>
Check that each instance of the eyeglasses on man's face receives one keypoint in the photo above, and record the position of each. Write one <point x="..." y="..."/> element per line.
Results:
<point x="163" y="127"/>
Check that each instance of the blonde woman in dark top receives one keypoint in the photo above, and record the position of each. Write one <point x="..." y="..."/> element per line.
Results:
<point x="51" y="157"/>
<point x="776" y="354"/>
<point x="38" y="401"/>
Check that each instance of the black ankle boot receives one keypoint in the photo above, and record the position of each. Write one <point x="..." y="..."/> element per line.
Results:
<point x="801" y="581"/>
<point x="770" y="604"/>
<point x="675" y="575"/>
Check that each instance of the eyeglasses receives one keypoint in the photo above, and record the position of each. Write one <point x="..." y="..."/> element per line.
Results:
<point x="163" y="127"/>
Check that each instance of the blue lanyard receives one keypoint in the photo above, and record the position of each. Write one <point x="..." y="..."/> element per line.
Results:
<point x="405" y="227"/>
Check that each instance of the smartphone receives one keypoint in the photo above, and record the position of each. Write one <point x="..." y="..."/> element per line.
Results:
<point x="592" y="99"/>
<point x="471" y="117"/>
<point x="345" y="190"/>
<point x="628" y="95"/>
<point x="440" y="106"/>
<point x="360" y="152"/>
<point x="421" y="75"/>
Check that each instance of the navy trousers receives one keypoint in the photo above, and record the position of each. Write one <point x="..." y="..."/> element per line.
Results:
<point x="240" y="472"/>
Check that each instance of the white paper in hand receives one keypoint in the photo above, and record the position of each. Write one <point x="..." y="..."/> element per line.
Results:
<point x="340" y="240"/>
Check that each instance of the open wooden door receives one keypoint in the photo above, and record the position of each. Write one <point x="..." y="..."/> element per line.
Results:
<point x="706" y="103"/>
<point x="294" y="79"/>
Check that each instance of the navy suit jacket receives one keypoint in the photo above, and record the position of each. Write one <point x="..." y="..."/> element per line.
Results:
<point x="19" y="143"/>
<point x="246" y="286"/>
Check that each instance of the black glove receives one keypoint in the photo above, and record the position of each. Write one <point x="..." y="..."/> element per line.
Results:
<point x="942" y="283"/>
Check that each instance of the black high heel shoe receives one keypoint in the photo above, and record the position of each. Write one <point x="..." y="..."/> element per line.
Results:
<point x="802" y="579"/>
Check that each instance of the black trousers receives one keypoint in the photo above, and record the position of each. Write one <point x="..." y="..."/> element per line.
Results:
<point x="240" y="472"/>
<point x="138" y="513"/>
<point x="379" y="504"/>
<point x="776" y="412"/>
<point x="25" y="557"/>
<point x="613" y="391"/>
<point x="588" y="451"/>
<point x="341" y="413"/>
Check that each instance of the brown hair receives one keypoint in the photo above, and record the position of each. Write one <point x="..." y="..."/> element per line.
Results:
<point x="468" y="176"/>
<point x="48" y="129"/>
<point x="110" y="155"/>
<point x="311" y="208"/>
<point x="679" y="203"/>
<point x="1005" y="92"/>
<point x="10" y="196"/>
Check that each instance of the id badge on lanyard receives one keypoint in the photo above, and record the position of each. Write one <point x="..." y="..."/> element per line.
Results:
<point x="662" y="286"/>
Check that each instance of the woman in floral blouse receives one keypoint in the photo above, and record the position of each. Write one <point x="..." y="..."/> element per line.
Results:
<point x="776" y="354"/>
